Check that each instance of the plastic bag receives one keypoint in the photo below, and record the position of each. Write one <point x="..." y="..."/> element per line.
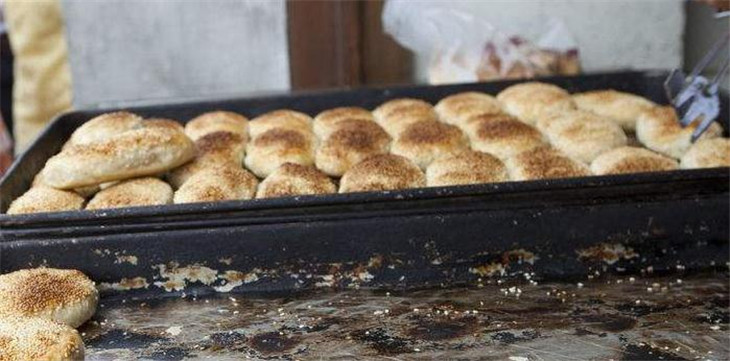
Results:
<point x="463" y="48"/>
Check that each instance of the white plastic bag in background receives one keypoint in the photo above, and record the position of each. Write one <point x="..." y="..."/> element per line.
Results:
<point x="463" y="48"/>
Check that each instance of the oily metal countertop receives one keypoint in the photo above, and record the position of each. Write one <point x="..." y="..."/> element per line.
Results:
<point x="619" y="318"/>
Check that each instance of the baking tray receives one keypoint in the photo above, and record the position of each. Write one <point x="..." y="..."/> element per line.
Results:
<point x="562" y="228"/>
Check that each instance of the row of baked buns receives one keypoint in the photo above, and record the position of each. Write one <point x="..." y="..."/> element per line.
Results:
<point x="528" y="131"/>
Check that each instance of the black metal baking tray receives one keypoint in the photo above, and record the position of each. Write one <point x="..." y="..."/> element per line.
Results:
<point x="560" y="228"/>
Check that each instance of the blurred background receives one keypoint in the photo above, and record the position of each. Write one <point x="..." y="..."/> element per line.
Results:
<point x="61" y="54"/>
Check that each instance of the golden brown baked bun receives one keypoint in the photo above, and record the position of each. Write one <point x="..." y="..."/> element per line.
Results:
<point x="502" y="135"/>
<point x="707" y="153"/>
<point x="217" y="183"/>
<point x="621" y="108"/>
<point x="33" y="338"/>
<point x="104" y="127"/>
<point x="137" y="192"/>
<point x="63" y="296"/>
<point x="326" y="122"/>
<point x="582" y="135"/>
<point x="424" y="141"/>
<point x="458" y="108"/>
<point x="355" y="140"/>
<point x="277" y="146"/>
<point x="659" y="130"/>
<point x="544" y="163"/>
<point x="531" y="100"/>
<point x="282" y="119"/>
<point x="46" y="199"/>
<point x="211" y="149"/>
<point x="468" y="167"/>
<point x="631" y="160"/>
<point x="134" y="153"/>
<point x="217" y="121"/>
<point x="294" y="180"/>
<point x="396" y="115"/>
<point x="163" y="123"/>
<point x="382" y="172"/>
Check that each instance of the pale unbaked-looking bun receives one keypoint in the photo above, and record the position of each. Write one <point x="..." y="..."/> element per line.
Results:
<point x="281" y="119"/>
<point x="582" y="135"/>
<point x="326" y="122"/>
<point x="355" y="140"/>
<point x="214" y="148"/>
<point x="707" y="153"/>
<point x="34" y="338"/>
<point x="468" y="167"/>
<point x="46" y="199"/>
<point x="659" y="130"/>
<point x="217" y="183"/>
<point x="134" y="153"/>
<point x="137" y="192"/>
<point x="502" y="135"/>
<point x="622" y="108"/>
<point x="293" y="180"/>
<point x="382" y="172"/>
<point x="277" y="146"/>
<point x="458" y="108"/>
<point x="104" y="126"/>
<point x="396" y="115"/>
<point x="532" y="100"/>
<point x="631" y="160"/>
<point x="217" y="121"/>
<point x="64" y="296"/>
<point x="544" y="163"/>
<point x="424" y="141"/>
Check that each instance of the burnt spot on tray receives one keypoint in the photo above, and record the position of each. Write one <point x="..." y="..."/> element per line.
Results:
<point x="117" y="338"/>
<point x="510" y="338"/>
<point x="226" y="340"/>
<point x="609" y="322"/>
<point x="384" y="343"/>
<point x="273" y="343"/>
<point x="170" y="353"/>
<point x="443" y="330"/>
<point x="647" y="353"/>
<point x="640" y="310"/>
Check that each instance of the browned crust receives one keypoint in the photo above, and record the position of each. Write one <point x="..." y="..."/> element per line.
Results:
<point x="34" y="338"/>
<point x="337" y="114"/>
<point x="430" y="132"/>
<point x="544" y="163"/>
<point x="45" y="199"/>
<point x="281" y="138"/>
<point x="631" y="160"/>
<point x="133" y="193"/>
<point x="220" y="141"/>
<point x="361" y="135"/>
<point x="217" y="183"/>
<point x="382" y="172"/>
<point x="214" y="121"/>
<point x="164" y="123"/>
<point x="33" y="291"/>
<point x="502" y="126"/>
<point x="469" y="167"/>
<point x="292" y="179"/>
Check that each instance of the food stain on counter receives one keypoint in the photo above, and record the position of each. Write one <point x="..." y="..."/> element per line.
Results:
<point x="608" y="318"/>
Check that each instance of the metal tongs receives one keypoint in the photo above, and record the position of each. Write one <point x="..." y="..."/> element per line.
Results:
<point x="694" y="96"/>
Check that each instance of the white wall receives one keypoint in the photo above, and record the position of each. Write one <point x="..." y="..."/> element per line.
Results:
<point x="611" y="34"/>
<point x="125" y="50"/>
